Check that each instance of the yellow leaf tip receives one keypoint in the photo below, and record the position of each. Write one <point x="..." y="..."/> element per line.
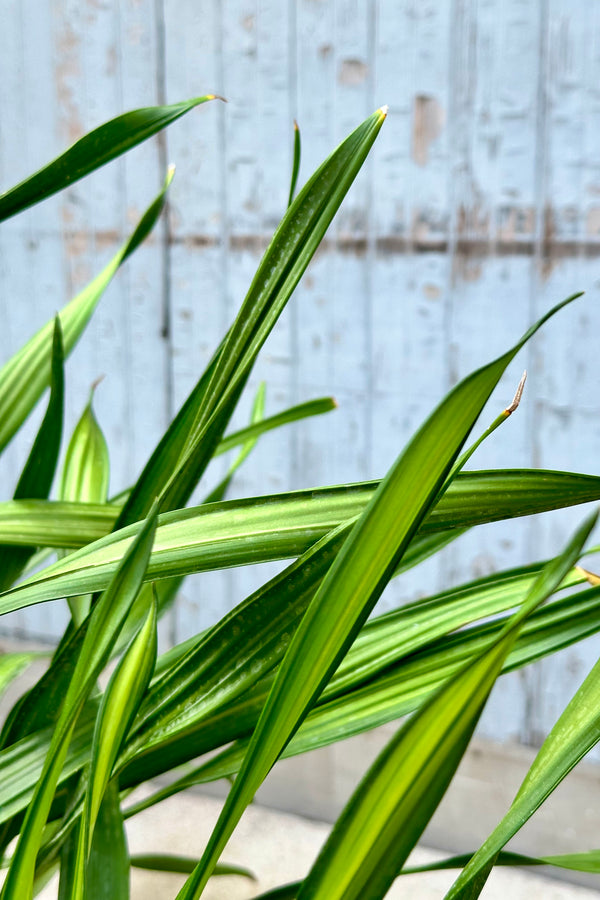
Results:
<point x="383" y="110"/>
<point x="590" y="577"/>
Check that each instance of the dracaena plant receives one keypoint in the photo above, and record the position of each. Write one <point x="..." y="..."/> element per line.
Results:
<point x="312" y="667"/>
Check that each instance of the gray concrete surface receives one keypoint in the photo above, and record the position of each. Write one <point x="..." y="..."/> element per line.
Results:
<point x="280" y="847"/>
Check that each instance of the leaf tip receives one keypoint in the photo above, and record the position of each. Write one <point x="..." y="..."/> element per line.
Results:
<point x="94" y="385"/>
<point x="590" y="577"/>
<point x="518" y="394"/>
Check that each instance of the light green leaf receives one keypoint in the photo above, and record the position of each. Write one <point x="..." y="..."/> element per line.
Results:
<point x="399" y="688"/>
<point x="85" y="478"/>
<point x="117" y="710"/>
<point x="86" y="469"/>
<point x="293" y="414"/>
<point x="579" y="862"/>
<point x="25" y="376"/>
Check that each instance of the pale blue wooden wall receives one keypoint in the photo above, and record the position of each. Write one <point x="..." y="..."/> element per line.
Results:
<point x="478" y="209"/>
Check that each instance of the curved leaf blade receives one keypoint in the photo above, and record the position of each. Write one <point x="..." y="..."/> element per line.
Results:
<point x="86" y="469"/>
<point x="25" y="376"/>
<point x="294" y="414"/>
<point x="92" y="151"/>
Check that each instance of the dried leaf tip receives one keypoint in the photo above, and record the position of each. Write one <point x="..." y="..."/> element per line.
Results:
<point x="590" y="577"/>
<point x="383" y="110"/>
<point x="93" y="387"/>
<point x="518" y="394"/>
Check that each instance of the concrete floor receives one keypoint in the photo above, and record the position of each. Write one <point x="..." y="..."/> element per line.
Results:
<point x="279" y="847"/>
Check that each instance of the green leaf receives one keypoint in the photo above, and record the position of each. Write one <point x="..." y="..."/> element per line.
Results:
<point x="575" y="733"/>
<point x="352" y="587"/>
<point x="365" y="693"/>
<point x="401" y="686"/>
<point x="588" y="861"/>
<point x="218" y="668"/>
<point x="118" y="708"/>
<point x="284" y="892"/>
<point x="25" y="376"/>
<point x="105" y="623"/>
<point x="243" y="532"/>
<point x="183" y="453"/>
<point x="285" y="260"/>
<point x="85" y="478"/>
<point x="579" y="862"/>
<point x="38" y="473"/>
<point x="40" y="706"/>
<point x="388" y="812"/>
<point x="22" y="763"/>
<point x="293" y="414"/>
<point x="256" y="417"/>
<point x="108" y="865"/>
<point x="295" y="164"/>
<point x="472" y="499"/>
<point x="167" y="862"/>
<point x="31" y="523"/>
<point x="12" y="665"/>
<point x="92" y="151"/>
<point x="86" y="469"/>
<point x="165" y="456"/>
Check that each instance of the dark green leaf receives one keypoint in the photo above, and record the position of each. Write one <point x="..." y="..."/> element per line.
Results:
<point x="91" y="152"/>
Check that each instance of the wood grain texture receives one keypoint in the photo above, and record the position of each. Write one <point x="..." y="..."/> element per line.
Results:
<point x="478" y="209"/>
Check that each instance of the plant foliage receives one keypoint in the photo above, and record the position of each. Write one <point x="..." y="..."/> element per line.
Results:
<point x="313" y="667"/>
